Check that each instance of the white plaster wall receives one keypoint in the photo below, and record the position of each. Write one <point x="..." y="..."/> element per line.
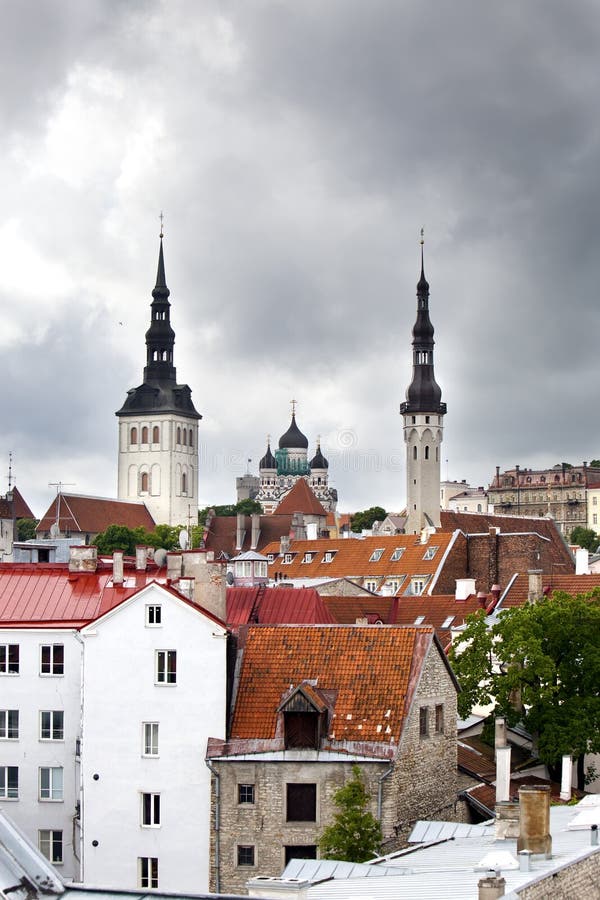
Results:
<point x="120" y="694"/>
<point x="30" y="692"/>
<point x="422" y="475"/>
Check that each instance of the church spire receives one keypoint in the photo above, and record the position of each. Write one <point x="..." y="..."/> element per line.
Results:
<point x="160" y="337"/>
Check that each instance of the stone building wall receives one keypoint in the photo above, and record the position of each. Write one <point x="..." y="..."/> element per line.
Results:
<point x="494" y="558"/>
<point x="581" y="879"/>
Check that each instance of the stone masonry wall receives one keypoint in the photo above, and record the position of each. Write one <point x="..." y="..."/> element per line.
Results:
<point x="581" y="879"/>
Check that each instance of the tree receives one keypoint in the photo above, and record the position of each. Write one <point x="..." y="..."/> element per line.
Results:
<point x="585" y="537"/>
<point x="354" y="834"/>
<point x="119" y="537"/>
<point x="539" y="665"/>
<point x="26" y="529"/>
<point x="366" y="518"/>
<point x="247" y="507"/>
<point x="595" y="464"/>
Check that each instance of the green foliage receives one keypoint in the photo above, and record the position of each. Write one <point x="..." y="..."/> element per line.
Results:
<point x="231" y="509"/>
<point x="119" y="537"/>
<point x="585" y="537"/>
<point x="26" y="529"/>
<point x="355" y="834"/>
<point x="595" y="464"/>
<point x="366" y="517"/>
<point x="540" y="665"/>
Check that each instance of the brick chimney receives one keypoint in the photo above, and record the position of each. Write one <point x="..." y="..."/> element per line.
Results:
<point x="535" y="585"/>
<point x="83" y="558"/>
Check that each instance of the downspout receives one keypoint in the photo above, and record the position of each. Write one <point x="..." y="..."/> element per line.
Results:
<point x="217" y="778"/>
<point x="381" y="779"/>
<point x="79" y="856"/>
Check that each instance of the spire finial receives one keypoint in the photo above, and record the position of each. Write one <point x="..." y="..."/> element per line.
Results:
<point x="293" y="402"/>
<point x="319" y="441"/>
<point x="268" y="440"/>
<point x="422" y="235"/>
<point x="161" y="235"/>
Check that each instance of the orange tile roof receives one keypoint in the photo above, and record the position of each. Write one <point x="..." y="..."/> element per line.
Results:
<point x="91" y="515"/>
<point x="300" y="499"/>
<point x="346" y="610"/>
<point x="573" y="584"/>
<point x="352" y="557"/>
<point x="372" y="672"/>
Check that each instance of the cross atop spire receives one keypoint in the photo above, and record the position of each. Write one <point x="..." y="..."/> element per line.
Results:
<point x="293" y="402"/>
<point x="161" y="225"/>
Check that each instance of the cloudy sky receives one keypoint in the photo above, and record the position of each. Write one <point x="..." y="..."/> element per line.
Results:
<point x="296" y="150"/>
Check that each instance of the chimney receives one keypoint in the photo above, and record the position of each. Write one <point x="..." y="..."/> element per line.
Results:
<point x="582" y="561"/>
<point x="118" y="577"/>
<point x="284" y="543"/>
<point x="566" y="778"/>
<point x="270" y="888"/>
<point x="298" y="526"/>
<point x="500" y="739"/>
<point x="141" y="558"/>
<point x="186" y="586"/>
<point x="240" y="531"/>
<point x="491" y="887"/>
<point x="83" y="558"/>
<point x="502" y="774"/>
<point x="535" y="585"/>
<point x="174" y="566"/>
<point x="464" y="588"/>
<point x="482" y="599"/>
<point x="497" y="476"/>
<point x="255" y="530"/>
<point x="534" y="820"/>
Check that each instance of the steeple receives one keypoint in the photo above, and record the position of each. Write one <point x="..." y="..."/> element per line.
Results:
<point x="423" y="393"/>
<point x="160" y="337"/>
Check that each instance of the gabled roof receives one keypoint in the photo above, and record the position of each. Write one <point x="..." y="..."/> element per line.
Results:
<point x="443" y="611"/>
<point x="272" y="606"/>
<point x="355" y="557"/>
<point x="91" y="515"/>
<point x="16" y="508"/>
<point x="301" y="499"/>
<point x="518" y="590"/>
<point x="346" y="610"/>
<point x="373" y="673"/>
<point x="222" y="531"/>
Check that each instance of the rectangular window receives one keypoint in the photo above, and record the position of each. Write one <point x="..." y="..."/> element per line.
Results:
<point x="9" y="783"/>
<point x="419" y="620"/>
<point x="595" y="518"/>
<point x="424" y="721"/>
<point x="52" y="659"/>
<point x="166" y="666"/>
<point x="447" y="621"/>
<point x="328" y="556"/>
<point x="9" y="659"/>
<point x="594" y="501"/>
<point x="301" y="803"/>
<point x="50" y="842"/>
<point x="287" y="558"/>
<point x="150" y="738"/>
<point x="439" y="719"/>
<point x="417" y="586"/>
<point x="300" y="851"/>
<point x="153" y="615"/>
<point x="371" y="586"/>
<point x="148" y="871"/>
<point x="52" y="725"/>
<point x="376" y="555"/>
<point x="9" y="724"/>
<point x="151" y="810"/>
<point x="397" y="554"/>
<point x="430" y="552"/>
<point x="51" y="783"/>
<point x="245" y="793"/>
<point x="308" y="557"/>
<point x="245" y="855"/>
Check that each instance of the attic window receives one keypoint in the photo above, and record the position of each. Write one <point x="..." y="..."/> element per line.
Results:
<point x="302" y="722"/>
<point x="417" y="585"/>
<point x="376" y="555"/>
<point x="328" y="556"/>
<point x="448" y="622"/>
<point x="270" y="557"/>
<point x="397" y="553"/>
<point x="308" y="557"/>
<point x="419" y="620"/>
<point x="287" y="558"/>
<point x="430" y="552"/>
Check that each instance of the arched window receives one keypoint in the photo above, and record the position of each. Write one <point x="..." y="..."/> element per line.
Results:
<point x="133" y="437"/>
<point x="184" y="483"/>
<point x="185" y="437"/>
<point x="426" y="452"/>
<point x="156" y="435"/>
<point x="178" y="434"/>
<point x="145" y="434"/>
<point x="415" y="451"/>
<point x="191" y="439"/>
<point x="144" y="483"/>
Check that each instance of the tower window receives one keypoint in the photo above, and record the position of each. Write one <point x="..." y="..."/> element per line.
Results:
<point x="415" y="452"/>
<point x="133" y="437"/>
<point x="184" y="483"/>
<point x="145" y="435"/>
<point x="144" y="482"/>
<point x="156" y="435"/>
<point x="426" y="452"/>
<point x="178" y="435"/>
<point x="185" y="437"/>
<point x="191" y="439"/>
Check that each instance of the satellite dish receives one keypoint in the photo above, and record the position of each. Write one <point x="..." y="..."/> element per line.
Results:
<point x="54" y="530"/>
<point x="184" y="538"/>
<point x="229" y="578"/>
<point x="160" y="557"/>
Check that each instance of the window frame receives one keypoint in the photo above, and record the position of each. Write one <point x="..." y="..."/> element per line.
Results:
<point x="152" y="620"/>
<point x="165" y="675"/>
<point x="52" y="664"/>
<point x="150" y="738"/>
<point x="53" y="790"/>
<point x="439" y="718"/>
<point x="423" y="721"/>
<point x="52" y="725"/>
<point x="148" y="872"/>
<point x="376" y="554"/>
<point x="6" y="728"/>
<point x="250" y="862"/>
<point x="8" y="666"/>
<point x="9" y="790"/>
<point x="298" y="787"/>
<point x="397" y="554"/>
<point x="244" y="788"/>
<point x="150" y="809"/>
<point x="55" y="836"/>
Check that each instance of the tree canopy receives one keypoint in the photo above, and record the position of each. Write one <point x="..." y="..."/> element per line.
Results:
<point x="539" y="665"/>
<point x="366" y="517"/>
<point x="585" y="537"/>
<point x="119" y="537"/>
<point x="354" y="834"/>
<point x="26" y="529"/>
<point x="231" y="509"/>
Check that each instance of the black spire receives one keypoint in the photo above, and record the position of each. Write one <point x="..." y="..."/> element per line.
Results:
<point x="318" y="461"/>
<point x="268" y="461"/>
<point x="423" y="394"/>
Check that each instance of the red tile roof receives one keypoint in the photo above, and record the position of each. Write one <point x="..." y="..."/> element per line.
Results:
<point x="221" y="534"/>
<point x="518" y="590"/>
<point x="91" y="515"/>
<point x="302" y="499"/>
<point x="346" y="610"/>
<point x="436" y="611"/>
<point x="16" y="508"/>
<point x="372" y="673"/>
<point x="356" y="557"/>
<point x="272" y="606"/>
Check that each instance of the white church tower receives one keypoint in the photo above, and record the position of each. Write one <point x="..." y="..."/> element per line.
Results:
<point x="158" y="426"/>
<point x="423" y="414"/>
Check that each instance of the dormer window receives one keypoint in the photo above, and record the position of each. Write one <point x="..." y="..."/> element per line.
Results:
<point x="430" y="552"/>
<point x="308" y="556"/>
<point x="304" y="718"/>
<point x="376" y="555"/>
<point x="328" y="556"/>
<point x="417" y="585"/>
<point x="270" y="557"/>
<point x="447" y="621"/>
<point x="397" y="554"/>
<point x="287" y="558"/>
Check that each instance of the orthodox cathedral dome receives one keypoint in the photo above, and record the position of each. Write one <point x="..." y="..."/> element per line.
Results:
<point x="293" y="439"/>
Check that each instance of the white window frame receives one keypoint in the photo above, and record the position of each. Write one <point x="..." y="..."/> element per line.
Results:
<point x="328" y="556"/>
<point x="8" y="791"/>
<point x="431" y="551"/>
<point x="55" y="789"/>
<point x="9" y="730"/>
<point x="376" y="554"/>
<point x="287" y="559"/>
<point x="308" y="556"/>
<point x="148" y="872"/>
<point x="417" y="585"/>
<point x="448" y="621"/>
<point x="48" y="840"/>
<point x="162" y="670"/>
<point x="56" y="724"/>
<point x="371" y="584"/>
<point x="150" y="740"/>
<point x="53" y="664"/>
<point x="153" y="615"/>
<point x="153" y="810"/>
<point x="419" y="620"/>
<point x="397" y="553"/>
<point x="6" y="667"/>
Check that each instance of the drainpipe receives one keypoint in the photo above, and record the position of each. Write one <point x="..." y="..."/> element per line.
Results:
<point x="381" y="779"/>
<point x="217" y="778"/>
<point x="79" y="852"/>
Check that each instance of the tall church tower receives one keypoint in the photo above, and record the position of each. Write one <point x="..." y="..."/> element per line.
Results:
<point x="423" y="415"/>
<point x="158" y="426"/>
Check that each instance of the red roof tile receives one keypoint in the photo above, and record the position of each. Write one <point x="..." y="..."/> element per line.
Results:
<point x="91" y="515"/>
<point x="518" y="590"/>
<point x="301" y="499"/>
<point x="272" y="606"/>
<point x="372" y="672"/>
<point x="222" y="531"/>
